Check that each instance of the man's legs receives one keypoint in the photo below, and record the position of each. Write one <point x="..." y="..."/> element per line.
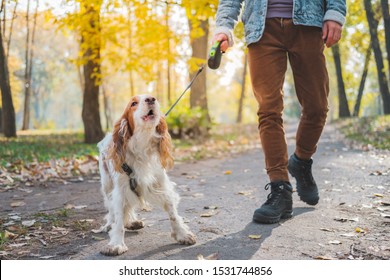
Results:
<point x="305" y="50"/>
<point x="268" y="63"/>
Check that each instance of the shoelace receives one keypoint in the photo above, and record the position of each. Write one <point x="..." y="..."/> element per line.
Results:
<point x="307" y="175"/>
<point x="274" y="196"/>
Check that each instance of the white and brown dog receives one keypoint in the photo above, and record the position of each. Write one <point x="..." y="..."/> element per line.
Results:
<point x="133" y="163"/>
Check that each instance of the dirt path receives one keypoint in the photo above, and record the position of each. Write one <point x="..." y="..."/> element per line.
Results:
<point x="218" y="197"/>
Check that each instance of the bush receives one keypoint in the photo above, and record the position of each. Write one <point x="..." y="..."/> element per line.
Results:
<point x="188" y="123"/>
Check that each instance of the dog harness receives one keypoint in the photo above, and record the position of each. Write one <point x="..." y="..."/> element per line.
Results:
<point x="133" y="183"/>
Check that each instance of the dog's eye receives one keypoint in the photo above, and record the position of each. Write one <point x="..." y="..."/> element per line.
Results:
<point x="134" y="104"/>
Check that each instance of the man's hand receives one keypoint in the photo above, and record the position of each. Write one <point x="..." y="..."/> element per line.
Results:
<point x="220" y="37"/>
<point x="331" y="32"/>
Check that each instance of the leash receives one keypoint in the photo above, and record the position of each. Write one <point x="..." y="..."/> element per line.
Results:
<point x="213" y="62"/>
<point x="187" y="88"/>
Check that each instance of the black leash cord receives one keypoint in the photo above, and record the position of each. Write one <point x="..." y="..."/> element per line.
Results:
<point x="189" y="85"/>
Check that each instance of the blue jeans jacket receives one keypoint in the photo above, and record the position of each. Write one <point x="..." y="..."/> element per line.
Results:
<point x="305" y="12"/>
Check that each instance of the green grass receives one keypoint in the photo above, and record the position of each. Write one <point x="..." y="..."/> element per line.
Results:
<point x="374" y="131"/>
<point x="42" y="147"/>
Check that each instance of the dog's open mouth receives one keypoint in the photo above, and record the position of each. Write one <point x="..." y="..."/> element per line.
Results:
<point x="149" y="116"/>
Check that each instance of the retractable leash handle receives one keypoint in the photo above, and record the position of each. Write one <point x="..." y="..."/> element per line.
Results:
<point x="215" y="56"/>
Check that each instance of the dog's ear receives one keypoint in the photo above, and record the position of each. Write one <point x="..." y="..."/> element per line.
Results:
<point x="165" y="144"/>
<point x="120" y="136"/>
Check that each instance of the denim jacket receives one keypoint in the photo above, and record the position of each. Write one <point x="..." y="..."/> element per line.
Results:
<point x="305" y="12"/>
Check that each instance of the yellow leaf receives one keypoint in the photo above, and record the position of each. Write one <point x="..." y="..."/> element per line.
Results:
<point x="252" y="236"/>
<point x="378" y="195"/>
<point x="209" y="214"/>
<point x="227" y="172"/>
<point x="359" y="230"/>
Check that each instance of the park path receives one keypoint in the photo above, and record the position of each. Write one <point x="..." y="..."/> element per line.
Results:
<point x="218" y="197"/>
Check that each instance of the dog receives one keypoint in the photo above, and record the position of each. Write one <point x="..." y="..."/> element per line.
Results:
<point x="133" y="164"/>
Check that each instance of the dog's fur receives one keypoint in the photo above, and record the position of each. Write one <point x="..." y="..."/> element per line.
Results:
<point x="140" y="138"/>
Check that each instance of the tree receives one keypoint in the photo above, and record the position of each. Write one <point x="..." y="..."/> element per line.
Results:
<point x="8" y="111"/>
<point x="198" y="14"/>
<point x="29" y="54"/>
<point x="386" y="20"/>
<point x="343" y="101"/>
<point x="382" y="80"/>
<point x="362" y="82"/>
<point x="198" y="97"/>
<point x="90" y="32"/>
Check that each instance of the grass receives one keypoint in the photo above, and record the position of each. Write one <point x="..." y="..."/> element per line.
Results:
<point x="373" y="131"/>
<point x="43" y="146"/>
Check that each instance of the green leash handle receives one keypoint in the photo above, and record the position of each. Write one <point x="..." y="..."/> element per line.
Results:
<point x="215" y="56"/>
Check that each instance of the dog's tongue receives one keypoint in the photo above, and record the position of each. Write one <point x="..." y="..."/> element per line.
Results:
<point x="149" y="116"/>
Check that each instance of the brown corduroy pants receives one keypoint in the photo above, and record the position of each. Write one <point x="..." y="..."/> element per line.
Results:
<point x="303" y="46"/>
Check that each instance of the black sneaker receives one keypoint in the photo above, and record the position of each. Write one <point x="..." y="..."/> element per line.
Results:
<point x="278" y="205"/>
<point x="306" y="186"/>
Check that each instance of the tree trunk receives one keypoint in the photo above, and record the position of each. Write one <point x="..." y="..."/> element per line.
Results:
<point x="382" y="80"/>
<point x="243" y="84"/>
<point x="27" y="77"/>
<point x="107" y="111"/>
<point x="362" y="82"/>
<point x="8" y="111"/>
<point x="11" y="28"/>
<point x="343" y="101"/>
<point x="386" y="20"/>
<point x="198" y="96"/>
<point x="93" y="131"/>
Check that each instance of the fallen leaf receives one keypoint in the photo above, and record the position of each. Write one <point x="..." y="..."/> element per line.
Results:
<point x="385" y="215"/>
<point x="210" y="229"/>
<point x="69" y="206"/>
<point x="378" y="195"/>
<point x="343" y="220"/>
<point x="335" y="242"/>
<point x="44" y="243"/>
<point x="381" y="209"/>
<point x="28" y="223"/>
<point x="209" y="214"/>
<point x="244" y="192"/>
<point x="86" y="220"/>
<point x="210" y="207"/>
<point x="252" y="236"/>
<point x="9" y="235"/>
<point x="359" y="230"/>
<point x="17" y="203"/>
<point x="227" y="172"/>
<point x="324" y="258"/>
<point x="17" y="245"/>
<point x="46" y="257"/>
<point x="97" y="238"/>
<point x="385" y="203"/>
<point x="327" y="229"/>
<point x="209" y="257"/>
<point x="348" y="234"/>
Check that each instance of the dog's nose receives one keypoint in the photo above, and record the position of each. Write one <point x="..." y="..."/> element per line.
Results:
<point x="150" y="100"/>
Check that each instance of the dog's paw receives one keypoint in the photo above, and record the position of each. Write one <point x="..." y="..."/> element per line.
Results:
<point x="186" y="238"/>
<point x="136" y="225"/>
<point x="111" y="250"/>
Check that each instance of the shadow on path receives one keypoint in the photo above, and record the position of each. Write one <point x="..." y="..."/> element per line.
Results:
<point x="234" y="246"/>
